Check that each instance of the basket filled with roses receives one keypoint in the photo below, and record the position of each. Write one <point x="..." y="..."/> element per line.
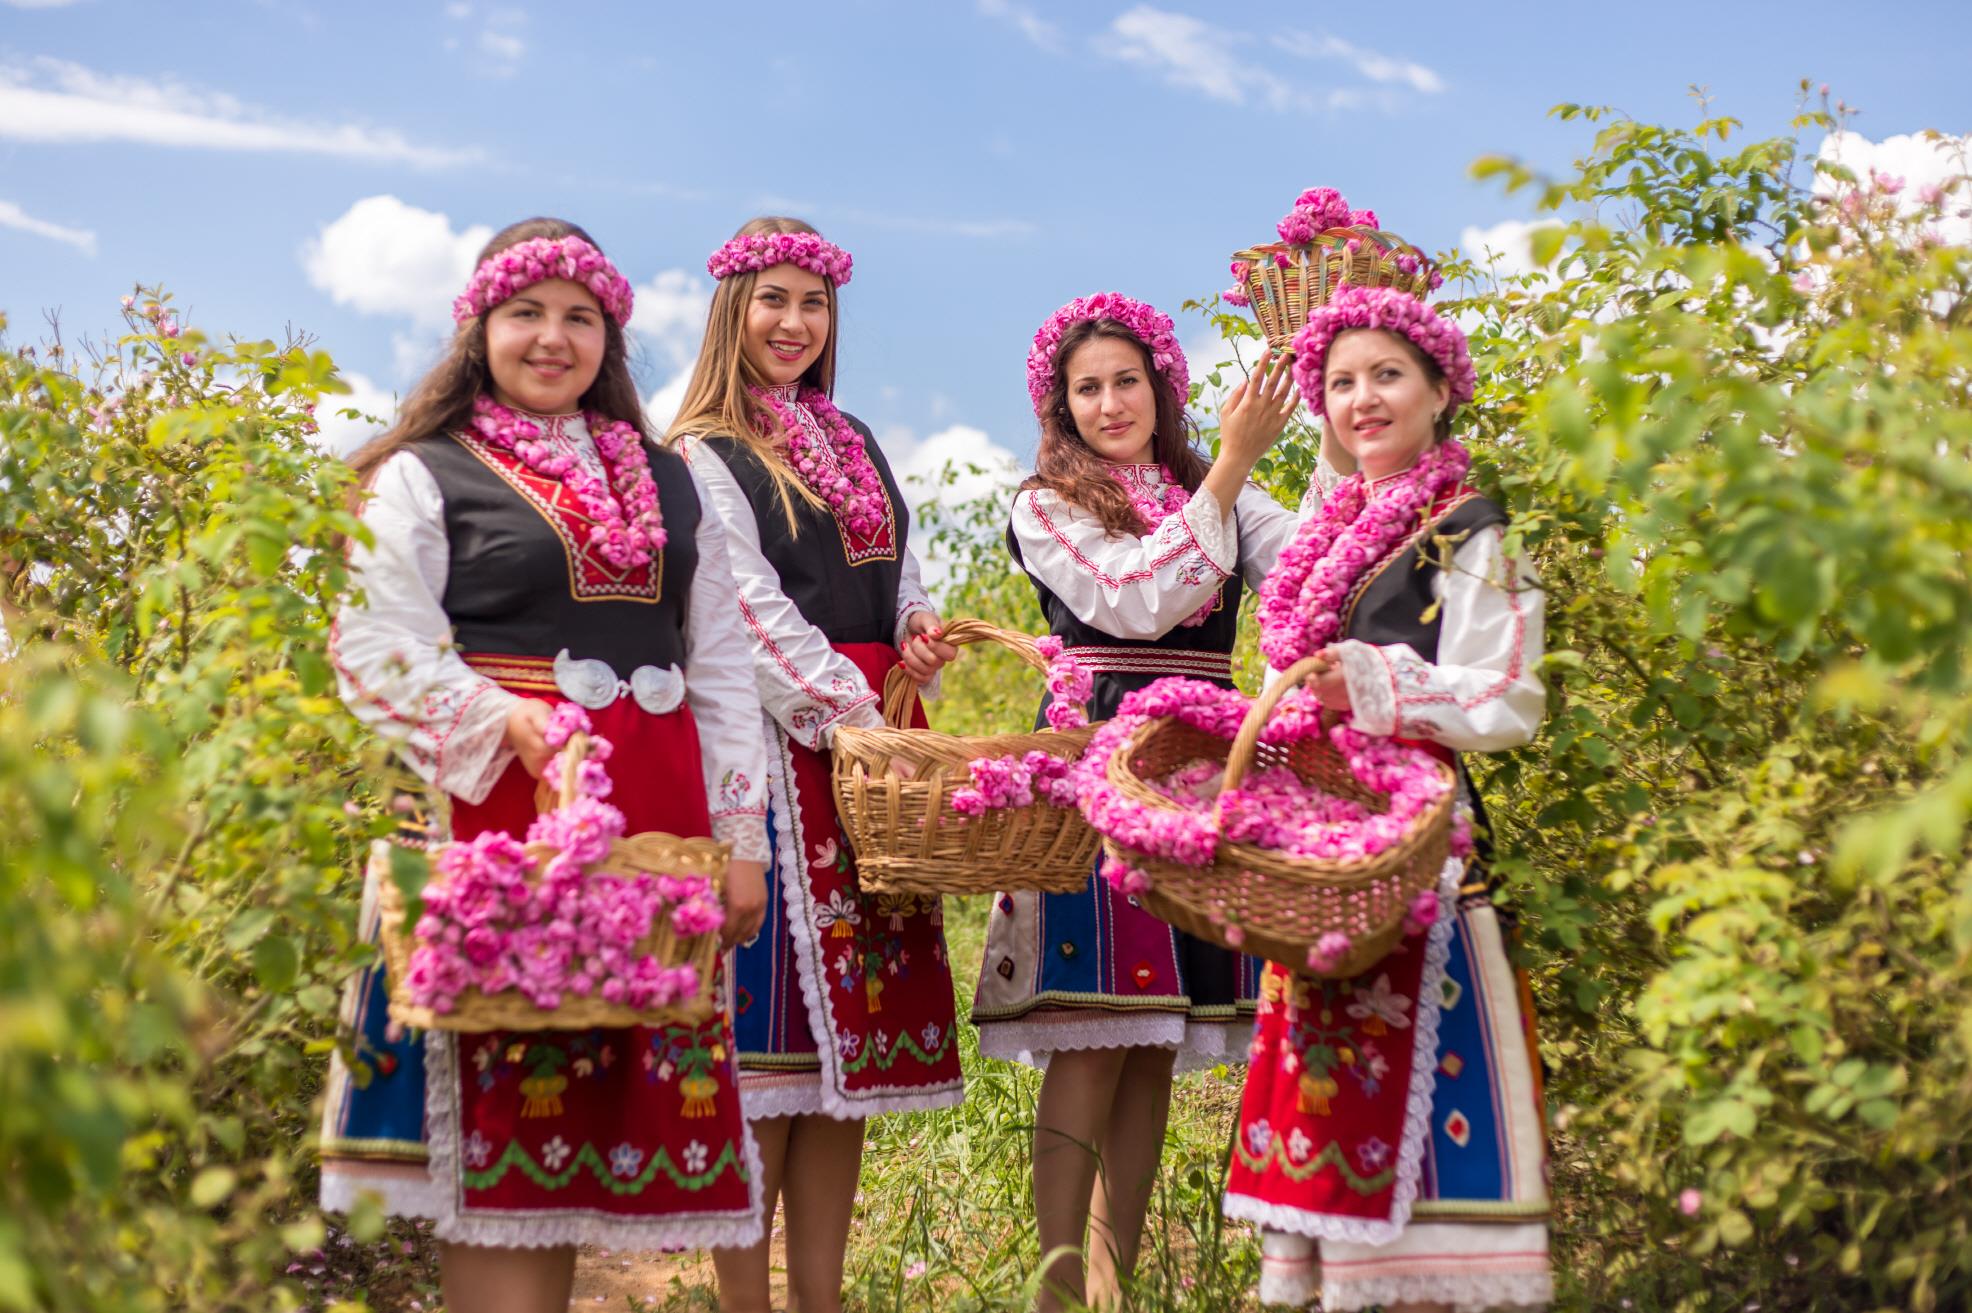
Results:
<point x="932" y="813"/>
<point x="1270" y="827"/>
<point x="574" y="925"/>
<point x="1323" y="245"/>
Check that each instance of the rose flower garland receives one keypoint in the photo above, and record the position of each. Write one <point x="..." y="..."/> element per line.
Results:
<point x="495" y="919"/>
<point x="1011" y="781"/>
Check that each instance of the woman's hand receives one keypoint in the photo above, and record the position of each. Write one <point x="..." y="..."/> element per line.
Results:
<point x="925" y="652"/>
<point x="1255" y="415"/>
<point x="1251" y="420"/>
<point x="746" y="901"/>
<point x="1330" y="685"/>
<point x="527" y="735"/>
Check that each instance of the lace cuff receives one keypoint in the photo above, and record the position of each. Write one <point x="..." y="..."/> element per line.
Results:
<point x="746" y="832"/>
<point x="1372" y="686"/>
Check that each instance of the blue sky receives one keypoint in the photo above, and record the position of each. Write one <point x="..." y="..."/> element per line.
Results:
<point x="325" y="165"/>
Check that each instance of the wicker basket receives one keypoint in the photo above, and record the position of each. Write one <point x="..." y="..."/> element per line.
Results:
<point x="654" y="852"/>
<point x="1283" y="904"/>
<point x="1281" y="298"/>
<point x="906" y="837"/>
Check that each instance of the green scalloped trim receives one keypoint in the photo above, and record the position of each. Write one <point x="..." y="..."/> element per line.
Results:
<point x="904" y="1042"/>
<point x="1330" y="1156"/>
<point x="517" y="1157"/>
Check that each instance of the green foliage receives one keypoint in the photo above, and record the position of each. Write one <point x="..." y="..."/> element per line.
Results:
<point x="1730" y="412"/>
<point x="179" y="813"/>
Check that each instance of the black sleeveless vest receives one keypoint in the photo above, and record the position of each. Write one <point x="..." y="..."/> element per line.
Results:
<point x="844" y="586"/>
<point x="523" y="581"/>
<point x="1215" y="635"/>
<point x="1390" y="602"/>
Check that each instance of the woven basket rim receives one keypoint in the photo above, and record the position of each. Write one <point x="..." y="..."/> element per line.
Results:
<point x="1267" y="861"/>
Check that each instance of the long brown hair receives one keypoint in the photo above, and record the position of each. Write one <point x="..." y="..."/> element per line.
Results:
<point x="719" y="397"/>
<point x="1067" y="467"/>
<point x="442" y="400"/>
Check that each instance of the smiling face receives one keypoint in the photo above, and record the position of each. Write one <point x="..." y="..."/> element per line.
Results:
<point x="787" y="322"/>
<point x="1112" y="399"/>
<point x="1381" y="403"/>
<point x="544" y="347"/>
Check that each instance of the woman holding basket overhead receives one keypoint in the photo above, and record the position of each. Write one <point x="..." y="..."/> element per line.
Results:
<point x="844" y="1002"/>
<point x="530" y="547"/>
<point x="1139" y="550"/>
<point x="1391" y="1138"/>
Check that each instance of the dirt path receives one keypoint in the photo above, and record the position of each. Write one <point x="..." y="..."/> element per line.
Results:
<point x="658" y="1283"/>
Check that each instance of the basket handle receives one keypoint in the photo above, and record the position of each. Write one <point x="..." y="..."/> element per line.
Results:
<point x="898" y="686"/>
<point x="552" y="793"/>
<point x="1240" y="760"/>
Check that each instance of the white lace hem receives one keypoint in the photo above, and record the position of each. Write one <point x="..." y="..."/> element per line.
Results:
<point x="402" y="1194"/>
<point x="709" y="1230"/>
<point x="1198" y="1044"/>
<point x="1417" y="1106"/>
<point x="747" y="833"/>
<point x="1463" y="1293"/>
<point x="793" y="1099"/>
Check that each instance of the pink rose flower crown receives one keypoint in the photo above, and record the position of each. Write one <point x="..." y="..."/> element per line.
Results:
<point x="1150" y="325"/>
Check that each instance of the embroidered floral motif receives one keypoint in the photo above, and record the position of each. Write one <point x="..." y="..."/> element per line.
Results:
<point x="1373" y="1154"/>
<point x="478" y="1150"/>
<point x="625" y="1160"/>
<point x="695" y="1156"/>
<point x="1379" y="1009"/>
<point x="555" y="1152"/>
<point x="1259" y="1137"/>
<point x="1299" y="1146"/>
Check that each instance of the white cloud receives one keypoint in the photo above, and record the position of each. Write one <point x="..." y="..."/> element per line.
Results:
<point x="13" y="216"/>
<point x="670" y="314"/>
<point x="1376" y="67"/>
<point x="40" y="4"/>
<point x="1920" y="162"/>
<point x="663" y="405"/>
<point x="1218" y="63"/>
<point x="919" y="462"/>
<point x="55" y="101"/>
<point x="384" y="257"/>
<point x="342" y="436"/>
<point x="1508" y="244"/>
<point x="1038" y="30"/>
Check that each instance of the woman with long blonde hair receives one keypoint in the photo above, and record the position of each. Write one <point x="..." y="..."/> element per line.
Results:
<point x="843" y="1002"/>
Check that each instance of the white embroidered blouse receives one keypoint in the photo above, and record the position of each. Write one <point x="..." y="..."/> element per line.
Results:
<point x="401" y="675"/>
<point x="1141" y="587"/>
<point x="806" y="686"/>
<point x="1482" y="694"/>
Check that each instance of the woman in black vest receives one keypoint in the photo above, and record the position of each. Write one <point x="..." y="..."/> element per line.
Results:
<point x="530" y="546"/>
<point x="1139" y="551"/>
<point x="843" y="1003"/>
<point x="1391" y="1140"/>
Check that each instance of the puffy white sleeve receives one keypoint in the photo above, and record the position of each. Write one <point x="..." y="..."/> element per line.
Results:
<point x="912" y="598"/>
<point x="1265" y="528"/>
<point x="1482" y="694"/>
<point x="1127" y="586"/>
<point x="724" y="700"/>
<point x="805" y="685"/>
<point x="393" y="653"/>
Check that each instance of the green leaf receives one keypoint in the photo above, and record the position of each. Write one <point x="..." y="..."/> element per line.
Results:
<point x="212" y="1185"/>
<point x="276" y="962"/>
<point x="409" y="869"/>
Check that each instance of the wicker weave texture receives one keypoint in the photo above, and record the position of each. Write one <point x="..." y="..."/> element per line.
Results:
<point x="1283" y="905"/>
<point x="653" y="852"/>
<point x="893" y="789"/>
<point x="1282" y="297"/>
